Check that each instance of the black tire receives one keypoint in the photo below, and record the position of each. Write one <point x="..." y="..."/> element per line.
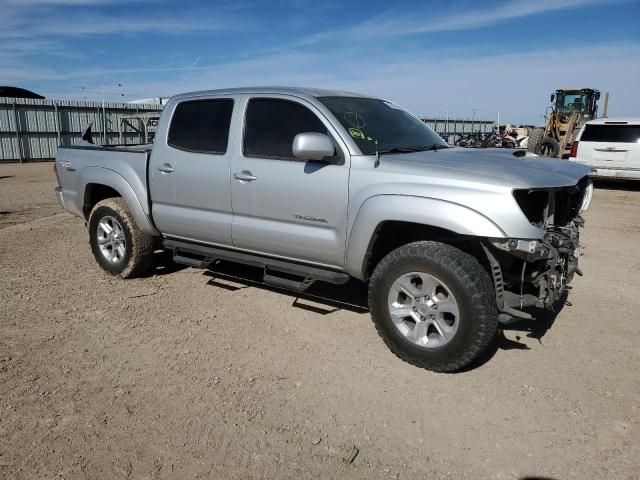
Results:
<point x="534" y="138"/>
<point x="471" y="286"/>
<point x="548" y="147"/>
<point x="138" y="246"/>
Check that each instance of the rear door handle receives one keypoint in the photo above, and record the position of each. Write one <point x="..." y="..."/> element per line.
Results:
<point x="166" y="168"/>
<point x="245" y="176"/>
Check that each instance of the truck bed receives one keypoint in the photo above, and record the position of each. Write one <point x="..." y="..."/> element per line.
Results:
<point x="81" y="165"/>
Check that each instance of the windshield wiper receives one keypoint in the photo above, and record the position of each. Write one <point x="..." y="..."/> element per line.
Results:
<point x="435" y="146"/>
<point x="402" y="150"/>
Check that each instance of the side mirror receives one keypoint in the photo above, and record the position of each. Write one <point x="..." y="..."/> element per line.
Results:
<point x="598" y="96"/>
<point x="312" y="146"/>
<point x="553" y="97"/>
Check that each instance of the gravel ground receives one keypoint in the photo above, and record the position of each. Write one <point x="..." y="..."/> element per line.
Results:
<point x="187" y="374"/>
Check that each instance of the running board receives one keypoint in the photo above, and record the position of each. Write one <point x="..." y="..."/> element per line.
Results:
<point x="191" y="262"/>
<point x="201" y="256"/>
<point x="298" y="284"/>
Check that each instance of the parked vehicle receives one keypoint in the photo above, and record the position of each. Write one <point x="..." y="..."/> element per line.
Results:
<point x="324" y="185"/>
<point x="470" y="140"/>
<point x="572" y="107"/>
<point x="611" y="146"/>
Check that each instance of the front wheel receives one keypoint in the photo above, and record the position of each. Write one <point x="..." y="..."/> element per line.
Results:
<point x="117" y="243"/>
<point x="433" y="305"/>
<point x="548" y="147"/>
<point x="534" y="138"/>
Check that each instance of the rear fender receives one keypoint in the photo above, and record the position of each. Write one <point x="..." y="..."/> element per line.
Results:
<point x="425" y="211"/>
<point x="110" y="178"/>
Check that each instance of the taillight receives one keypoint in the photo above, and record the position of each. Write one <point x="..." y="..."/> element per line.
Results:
<point x="574" y="150"/>
<point x="55" y="170"/>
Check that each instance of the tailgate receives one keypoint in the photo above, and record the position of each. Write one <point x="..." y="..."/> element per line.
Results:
<point x="611" y="155"/>
<point x="614" y="145"/>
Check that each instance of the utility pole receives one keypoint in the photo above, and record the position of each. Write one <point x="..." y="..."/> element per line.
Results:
<point x="104" y="119"/>
<point x="104" y="112"/>
<point x="446" y="124"/>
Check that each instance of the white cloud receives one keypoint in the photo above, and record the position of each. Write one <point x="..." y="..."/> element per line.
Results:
<point x="518" y="84"/>
<point x="425" y="80"/>
<point x="392" y="23"/>
<point x="45" y="19"/>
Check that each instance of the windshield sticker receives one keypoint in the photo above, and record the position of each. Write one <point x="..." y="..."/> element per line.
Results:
<point x="355" y="133"/>
<point x="354" y="120"/>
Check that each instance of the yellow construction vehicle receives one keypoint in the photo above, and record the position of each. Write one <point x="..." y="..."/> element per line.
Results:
<point x="572" y="108"/>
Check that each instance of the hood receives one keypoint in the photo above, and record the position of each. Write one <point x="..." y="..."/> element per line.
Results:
<point x="493" y="165"/>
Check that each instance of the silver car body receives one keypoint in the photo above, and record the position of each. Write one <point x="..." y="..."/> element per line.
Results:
<point x="322" y="215"/>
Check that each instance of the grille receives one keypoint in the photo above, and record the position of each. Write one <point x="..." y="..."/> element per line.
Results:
<point x="555" y="206"/>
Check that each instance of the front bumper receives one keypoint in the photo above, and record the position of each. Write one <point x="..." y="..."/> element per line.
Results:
<point x="534" y="273"/>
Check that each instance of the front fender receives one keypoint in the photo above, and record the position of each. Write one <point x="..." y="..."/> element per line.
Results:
<point x="425" y="211"/>
<point x="110" y="178"/>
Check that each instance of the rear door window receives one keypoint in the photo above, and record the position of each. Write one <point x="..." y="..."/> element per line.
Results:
<point x="272" y="124"/>
<point x="611" y="133"/>
<point x="202" y="126"/>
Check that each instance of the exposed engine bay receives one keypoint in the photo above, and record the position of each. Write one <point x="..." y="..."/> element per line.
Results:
<point x="535" y="273"/>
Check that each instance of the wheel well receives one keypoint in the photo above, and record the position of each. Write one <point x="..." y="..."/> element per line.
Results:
<point x="390" y="235"/>
<point x="94" y="193"/>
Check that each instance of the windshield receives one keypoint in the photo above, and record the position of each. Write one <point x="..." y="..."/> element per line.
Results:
<point x="371" y="119"/>
<point x="570" y="102"/>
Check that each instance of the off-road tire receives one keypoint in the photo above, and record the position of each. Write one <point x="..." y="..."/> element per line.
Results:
<point x="551" y="144"/>
<point x="470" y="284"/>
<point x="534" y="138"/>
<point x="139" y="246"/>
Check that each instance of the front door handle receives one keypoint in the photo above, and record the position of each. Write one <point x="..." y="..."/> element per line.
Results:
<point x="166" y="168"/>
<point x="245" y="176"/>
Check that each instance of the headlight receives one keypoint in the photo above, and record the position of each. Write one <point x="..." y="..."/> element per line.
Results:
<point x="588" y="195"/>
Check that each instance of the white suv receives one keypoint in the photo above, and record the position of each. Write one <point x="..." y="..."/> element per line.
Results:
<point x="611" y="146"/>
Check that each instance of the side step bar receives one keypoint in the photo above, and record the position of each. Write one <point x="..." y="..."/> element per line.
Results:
<point x="201" y="256"/>
<point x="298" y="284"/>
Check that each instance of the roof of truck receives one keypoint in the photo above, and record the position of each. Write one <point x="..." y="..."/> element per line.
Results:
<point x="615" y="121"/>
<point x="314" y="92"/>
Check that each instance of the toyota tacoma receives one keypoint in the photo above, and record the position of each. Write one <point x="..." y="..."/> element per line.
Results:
<point x="319" y="185"/>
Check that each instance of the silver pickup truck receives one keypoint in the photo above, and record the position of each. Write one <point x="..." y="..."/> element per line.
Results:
<point x="317" y="185"/>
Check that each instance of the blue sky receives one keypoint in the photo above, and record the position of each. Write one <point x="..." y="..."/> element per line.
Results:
<point x="431" y="57"/>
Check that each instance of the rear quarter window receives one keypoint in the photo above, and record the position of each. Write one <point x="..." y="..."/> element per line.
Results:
<point x="201" y="126"/>
<point x="611" y="133"/>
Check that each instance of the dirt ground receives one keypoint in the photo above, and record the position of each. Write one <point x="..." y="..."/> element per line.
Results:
<point x="188" y="374"/>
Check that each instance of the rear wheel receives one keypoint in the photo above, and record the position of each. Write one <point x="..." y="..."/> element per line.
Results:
<point x="117" y="243"/>
<point x="534" y="138"/>
<point x="433" y="305"/>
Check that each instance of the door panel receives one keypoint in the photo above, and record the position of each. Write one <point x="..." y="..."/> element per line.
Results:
<point x="292" y="208"/>
<point x="190" y="191"/>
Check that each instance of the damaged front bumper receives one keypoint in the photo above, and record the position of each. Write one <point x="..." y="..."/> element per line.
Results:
<point x="533" y="273"/>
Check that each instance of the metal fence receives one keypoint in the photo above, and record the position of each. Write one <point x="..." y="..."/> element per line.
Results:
<point x="32" y="129"/>
<point x="453" y="128"/>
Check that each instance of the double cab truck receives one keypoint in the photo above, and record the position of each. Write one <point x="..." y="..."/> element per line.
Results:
<point x="319" y="185"/>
